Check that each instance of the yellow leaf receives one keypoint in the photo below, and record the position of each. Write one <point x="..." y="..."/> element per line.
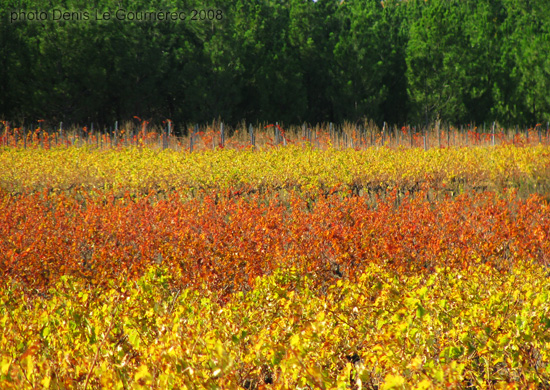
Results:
<point x="439" y="375"/>
<point x="5" y="366"/>
<point x="416" y="363"/>
<point x="295" y="340"/>
<point x="425" y="384"/>
<point x="393" y="382"/>
<point x="46" y="382"/>
<point x="142" y="373"/>
<point x="320" y="316"/>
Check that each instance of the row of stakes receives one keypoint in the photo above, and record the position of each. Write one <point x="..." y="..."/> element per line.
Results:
<point x="339" y="137"/>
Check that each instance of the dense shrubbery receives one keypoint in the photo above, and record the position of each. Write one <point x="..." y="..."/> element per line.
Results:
<point x="280" y="268"/>
<point x="474" y="328"/>
<point x="296" y="167"/>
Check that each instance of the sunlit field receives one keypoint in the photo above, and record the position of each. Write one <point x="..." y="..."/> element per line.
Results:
<point x="281" y="261"/>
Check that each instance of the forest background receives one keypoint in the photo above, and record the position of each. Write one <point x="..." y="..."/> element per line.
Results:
<point x="290" y="61"/>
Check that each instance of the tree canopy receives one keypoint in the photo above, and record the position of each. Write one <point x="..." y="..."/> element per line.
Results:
<point x="275" y="60"/>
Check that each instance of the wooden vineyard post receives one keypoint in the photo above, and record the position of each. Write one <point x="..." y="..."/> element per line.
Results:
<point x="493" y="134"/>
<point x="6" y="133"/>
<point x="191" y="136"/>
<point x="96" y="136"/>
<point x="279" y="136"/>
<point x="276" y="133"/>
<point x="252" y="138"/>
<point x="397" y="135"/>
<point x="163" y="134"/>
<point x="16" y="136"/>
<point x="222" y="135"/>
<point x="316" y="136"/>
<point x="343" y="140"/>
<point x="161" y="138"/>
<point x="425" y="138"/>
<point x="40" y="136"/>
<point x="166" y="137"/>
<point x="438" y="134"/>
<point x="144" y="132"/>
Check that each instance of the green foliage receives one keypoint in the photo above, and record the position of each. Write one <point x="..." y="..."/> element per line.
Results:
<point x="437" y="63"/>
<point x="288" y="61"/>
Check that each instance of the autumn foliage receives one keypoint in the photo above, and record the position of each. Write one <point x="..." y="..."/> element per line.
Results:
<point x="228" y="242"/>
<point x="221" y="275"/>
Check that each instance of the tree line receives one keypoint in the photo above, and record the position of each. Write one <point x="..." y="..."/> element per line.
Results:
<point x="290" y="61"/>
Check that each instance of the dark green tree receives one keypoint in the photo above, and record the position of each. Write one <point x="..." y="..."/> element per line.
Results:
<point x="370" y="62"/>
<point x="532" y="35"/>
<point x="437" y="61"/>
<point x="314" y="30"/>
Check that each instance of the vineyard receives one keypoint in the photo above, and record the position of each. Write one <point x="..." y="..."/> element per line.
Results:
<point x="275" y="263"/>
